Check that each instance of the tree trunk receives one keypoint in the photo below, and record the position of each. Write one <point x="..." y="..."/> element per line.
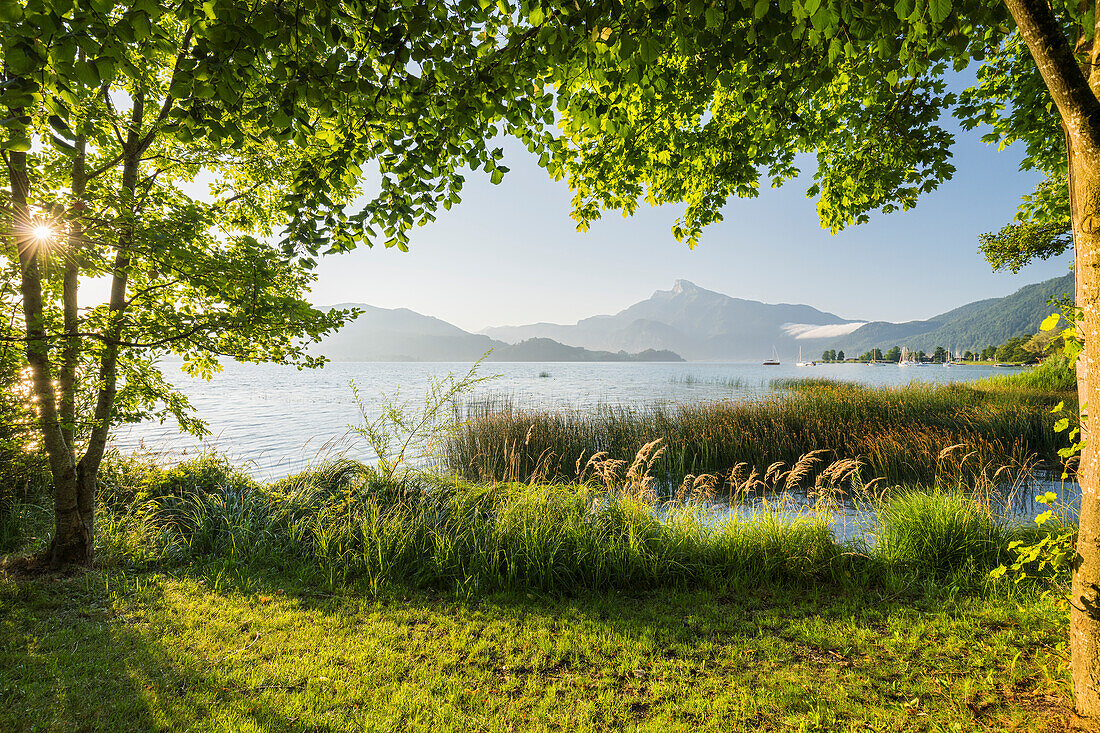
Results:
<point x="1084" y="625"/>
<point x="1079" y="108"/>
<point x="72" y="540"/>
<point x="1082" y="365"/>
<point x="88" y="468"/>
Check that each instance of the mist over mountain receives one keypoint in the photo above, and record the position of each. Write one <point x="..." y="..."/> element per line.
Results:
<point x="690" y="322"/>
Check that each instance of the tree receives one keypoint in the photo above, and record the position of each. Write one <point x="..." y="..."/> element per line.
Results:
<point x="686" y="102"/>
<point x="1014" y="350"/>
<point x="939" y="355"/>
<point x="111" y="113"/>
<point x="840" y="356"/>
<point x="893" y="354"/>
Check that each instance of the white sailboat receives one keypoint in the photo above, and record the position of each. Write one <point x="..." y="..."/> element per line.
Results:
<point x="804" y="363"/>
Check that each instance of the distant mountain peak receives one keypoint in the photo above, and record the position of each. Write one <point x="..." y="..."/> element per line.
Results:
<point x="684" y="286"/>
<point x="706" y="325"/>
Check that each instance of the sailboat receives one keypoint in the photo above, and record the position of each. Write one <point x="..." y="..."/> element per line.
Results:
<point x="804" y="363"/>
<point x="904" y="360"/>
<point x="774" y="361"/>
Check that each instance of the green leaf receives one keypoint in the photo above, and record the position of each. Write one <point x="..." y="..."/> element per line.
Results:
<point x="64" y="146"/>
<point x="1049" y="322"/>
<point x="87" y="72"/>
<point x="60" y="126"/>
<point x="497" y="176"/>
<point x="761" y="9"/>
<point x="1061" y="425"/>
<point x="939" y="10"/>
<point x="10" y="11"/>
<point x="1058" y="408"/>
<point x="18" y="145"/>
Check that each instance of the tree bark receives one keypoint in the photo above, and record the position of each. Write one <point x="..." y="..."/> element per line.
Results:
<point x="1085" y="594"/>
<point x="88" y="468"/>
<point x="1079" y="108"/>
<point x="66" y="379"/>
<point x="1082" y="366"/>
<point x="72" y="540"/>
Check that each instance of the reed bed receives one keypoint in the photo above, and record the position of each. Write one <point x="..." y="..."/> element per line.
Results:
<point x="341" y="521"/>
<point x="898" y="434"/>
<point x="693" y="380"/>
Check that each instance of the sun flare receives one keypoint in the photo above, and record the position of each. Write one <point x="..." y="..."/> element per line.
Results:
<point x="42" y="232"/>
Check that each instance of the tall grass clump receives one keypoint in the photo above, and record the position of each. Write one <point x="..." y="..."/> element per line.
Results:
<point x="692" y="380"/>
<point x="938" y="532"/>
<point x="344" y="520"/>
<point x="1056" y="375"/>
<point x="25" y="496"/>
<point x="202" y="507"/>
<point x="898" y="433"/>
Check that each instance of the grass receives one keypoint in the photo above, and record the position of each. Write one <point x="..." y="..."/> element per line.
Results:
<point x="338" y="600"/>
<point x="938" y="532"/>
<point x="1054" y="376"/>
<point x="341" y="522"/>
<point x="692" y="380"/>
<point x="897" y="433"/>
<point x="209" y="648"/>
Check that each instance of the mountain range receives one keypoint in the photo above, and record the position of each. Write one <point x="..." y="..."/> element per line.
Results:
<point x="384" y="334"/>
<point x="690" y="322"/>
<point x="972" y="327"/>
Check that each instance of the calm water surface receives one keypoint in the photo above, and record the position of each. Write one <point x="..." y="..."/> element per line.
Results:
<point x="276" y="419"/>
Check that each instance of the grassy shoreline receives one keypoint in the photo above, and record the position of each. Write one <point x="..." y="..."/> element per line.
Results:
<point x="340" y="599"/>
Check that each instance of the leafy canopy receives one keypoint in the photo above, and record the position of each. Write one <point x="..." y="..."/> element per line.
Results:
<point x="684" y="101"/>
<point x="315" y="126"/>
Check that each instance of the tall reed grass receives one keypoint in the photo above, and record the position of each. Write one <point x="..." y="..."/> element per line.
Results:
<point x="342" y="521"/>
<point x="899" y="434"/>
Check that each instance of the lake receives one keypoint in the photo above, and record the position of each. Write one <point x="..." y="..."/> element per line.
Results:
<point x="275" y="420"/>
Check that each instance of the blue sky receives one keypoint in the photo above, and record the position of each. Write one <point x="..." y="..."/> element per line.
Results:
<point x="510" y="254"/>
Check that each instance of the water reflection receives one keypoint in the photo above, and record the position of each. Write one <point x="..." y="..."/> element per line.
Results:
<point x="858" y="520"/>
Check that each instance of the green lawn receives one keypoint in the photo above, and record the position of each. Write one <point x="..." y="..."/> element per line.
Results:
<point x="120" y="650"/>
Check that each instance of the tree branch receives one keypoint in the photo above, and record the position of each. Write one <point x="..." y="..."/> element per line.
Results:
<point x="1054" y="57"/>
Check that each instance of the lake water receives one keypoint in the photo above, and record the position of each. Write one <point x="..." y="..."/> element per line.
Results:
<point x="276" y="420"/>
